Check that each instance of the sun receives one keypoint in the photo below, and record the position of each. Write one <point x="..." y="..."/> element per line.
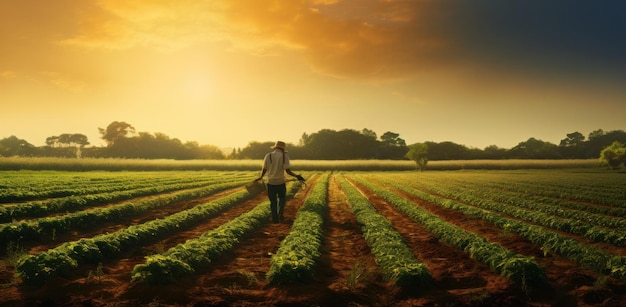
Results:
<point x="197" y="88"/>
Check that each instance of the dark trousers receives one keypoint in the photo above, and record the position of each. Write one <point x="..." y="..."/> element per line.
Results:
<point x="276" y="194"/>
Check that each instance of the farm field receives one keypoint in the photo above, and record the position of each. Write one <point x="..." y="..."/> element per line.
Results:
<point x="539" y="237"/>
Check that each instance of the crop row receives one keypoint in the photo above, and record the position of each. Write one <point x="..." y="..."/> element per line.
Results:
<point x="42" y="208"/>
<point x="519" y="268"/>
<point x="55" y="185"/>
<point x="605" y="190"/>
<point x="534" y="193"/>
<point x="24" y="186"/>
<point x="578" y="223"/>
<point x="587" y="256"/>
<point x="27" y="230"/>
<point x="297" y="254"/>
<point x="390" y="252"/>
<point x="28" y="185"/>
<point x="198" y="253"/>
<point x="609" y="217"/>
<point x="60" y="260"/>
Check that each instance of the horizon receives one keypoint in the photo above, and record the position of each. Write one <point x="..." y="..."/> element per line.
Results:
<point x="227" y="149"/>
<point x="225" y="74"/>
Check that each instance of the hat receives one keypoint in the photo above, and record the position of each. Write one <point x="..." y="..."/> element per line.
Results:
<point x="279" y="144"/>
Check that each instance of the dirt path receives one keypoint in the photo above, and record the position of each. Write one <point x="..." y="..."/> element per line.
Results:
<point x="239" y="276"/>
<point x="347" y="268"/>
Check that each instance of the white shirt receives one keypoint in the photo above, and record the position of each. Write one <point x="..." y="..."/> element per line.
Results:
<point x="275" y="164"/>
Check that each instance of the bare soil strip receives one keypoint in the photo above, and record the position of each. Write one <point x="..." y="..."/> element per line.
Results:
<point x="347" y="272"/>
<point x="568" y="282"/>
<point x="457" y="278"/>
<point x="239" y="276"/>
<point x="94" y="230"/>
<point x="617" y="250"/>
<point x="111" y="280"/>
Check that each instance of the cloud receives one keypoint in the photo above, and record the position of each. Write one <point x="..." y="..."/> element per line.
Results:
<point x="379" y="39"/>
<point x="377" y="42"/>
<point x="349" y="39"/>
<point x="163" y="25"/>
<point x="8" y="74"/>
<point x="64" y="82"/>
<point x="54" y="79"/>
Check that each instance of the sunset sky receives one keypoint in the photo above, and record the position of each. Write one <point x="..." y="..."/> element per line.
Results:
<point x="224" y="73"/>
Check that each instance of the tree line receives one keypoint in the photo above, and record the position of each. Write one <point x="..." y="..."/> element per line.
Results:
<point x="123" y="141"/>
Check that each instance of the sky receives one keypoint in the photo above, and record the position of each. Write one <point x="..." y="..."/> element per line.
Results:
<point x="225" y="73"/>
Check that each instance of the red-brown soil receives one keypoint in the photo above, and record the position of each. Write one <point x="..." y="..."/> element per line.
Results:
<point x="238" y="278"/>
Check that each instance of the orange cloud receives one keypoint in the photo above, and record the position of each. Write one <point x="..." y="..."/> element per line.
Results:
<point x="159" y="24"/>
<point x="352" y="39"/>
<point x="64" y="82"/>
<point x="8" y="74"/>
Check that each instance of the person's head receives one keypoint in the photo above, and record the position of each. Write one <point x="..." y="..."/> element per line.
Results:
<point x="279" y="145"/>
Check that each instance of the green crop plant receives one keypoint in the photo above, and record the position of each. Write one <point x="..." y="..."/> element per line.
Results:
<point x="14" y="252"/>
<point x="391" y="253"/>
<point x="518" y="268"/>
<point x="35" y="228"/>
<point x="586" y="255"/>
<point x="298" y="252"/>
<point x="196" y="254"/>
<point x="359" y="273"/>
<point x="95" y="249"/>
<point x="85" y="198"/>
<point x="575" y="222"/>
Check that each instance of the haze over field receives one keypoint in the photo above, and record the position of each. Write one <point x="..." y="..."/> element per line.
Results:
<point x="477" y="73"/>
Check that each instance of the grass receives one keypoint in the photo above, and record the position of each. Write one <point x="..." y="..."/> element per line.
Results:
<point x="513" y="164"/>
<point x="111" y="164"/>
<point x="14" y="252"/>
<point x="359" y="274"/>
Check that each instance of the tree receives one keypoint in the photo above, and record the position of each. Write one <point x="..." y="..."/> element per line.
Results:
<point x="534" y="149"/>
<point x="572" y="146"/>
<point x="573" y="139"/>
<point x="67" y="140"/>
<point x="369" y="132"/>
<point x="447" y="151"/>
<point x="13" y="146"/>
<point x="493" y="152"/>
<point x="52" y="141"/>
<point x="418" y="152"/>
<point x="392" y="139"/>
<point x="595" y="134"/>
<point x="614" y="155"/>
<point x="599" y="139"/>
<point x="328" y="144"/>
<point x="392" y="146"/>
<point x="305" y="139"/>
<point x="206" y="151"/>
<point x="116" y="131"/>
<point x="256" y="150"/>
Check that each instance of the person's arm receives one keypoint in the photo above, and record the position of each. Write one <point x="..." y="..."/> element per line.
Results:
<point x="288" y="170"/>
<point x="263" y="171"/>
<point x="264" y="168"/>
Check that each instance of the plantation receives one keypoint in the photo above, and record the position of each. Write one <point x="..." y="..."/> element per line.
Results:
<point x="502" y="237"/>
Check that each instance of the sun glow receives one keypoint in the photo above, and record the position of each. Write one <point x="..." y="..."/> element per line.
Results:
<point x="197" y="89"/>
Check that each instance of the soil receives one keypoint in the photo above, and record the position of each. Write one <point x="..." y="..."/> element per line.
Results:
<point x="346" y="274"/>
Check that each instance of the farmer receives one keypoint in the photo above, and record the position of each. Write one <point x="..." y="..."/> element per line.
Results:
<point x="275" y="164"/>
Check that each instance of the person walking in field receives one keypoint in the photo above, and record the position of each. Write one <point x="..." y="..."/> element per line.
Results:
<point x="275" y="164"/>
